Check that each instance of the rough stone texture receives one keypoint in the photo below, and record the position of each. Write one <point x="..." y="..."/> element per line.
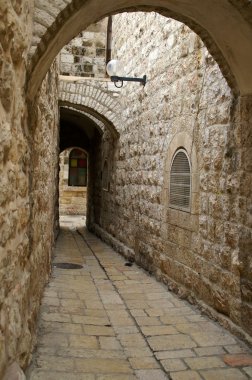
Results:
<point x="27" y="152"/>
<point x="14" y="185"/>
<point x="204" y="254"/>
<point x="43" y="122"/>
<point x="242" y="140"/>
<point x="84" y="56"/>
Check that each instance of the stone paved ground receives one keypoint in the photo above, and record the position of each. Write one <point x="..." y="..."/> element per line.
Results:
<point x="109" y="321"/>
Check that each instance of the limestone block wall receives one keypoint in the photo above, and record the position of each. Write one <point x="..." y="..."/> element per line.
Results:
<point x="185" y="103"/>
<point x="104" y="153"/>
<point x="241" y="156"/>
<point x="43" y="191"/>
<point x="28" y="166"/>
<point x="85" y="55"/>
<point x="14" y="184"/>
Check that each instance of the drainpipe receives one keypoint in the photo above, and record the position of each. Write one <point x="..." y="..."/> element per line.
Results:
<point x="109" y="40"/>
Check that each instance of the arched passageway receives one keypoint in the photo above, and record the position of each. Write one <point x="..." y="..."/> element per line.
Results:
<point x="90" y="118"/>
<point x="79" y="129"/>
<point x="224" y="26"/>
<point x="77" y="133"/>
<point x="30" y="163"/>
<point x="94" y="99"/>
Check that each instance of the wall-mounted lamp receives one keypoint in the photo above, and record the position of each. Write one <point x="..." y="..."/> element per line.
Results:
<point x="114" y="70"/>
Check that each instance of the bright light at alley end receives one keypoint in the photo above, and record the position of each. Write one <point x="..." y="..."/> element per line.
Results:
<point x="114" y="70"/>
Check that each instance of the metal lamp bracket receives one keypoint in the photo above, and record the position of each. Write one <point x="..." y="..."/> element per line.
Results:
<point x="117" y="79"/>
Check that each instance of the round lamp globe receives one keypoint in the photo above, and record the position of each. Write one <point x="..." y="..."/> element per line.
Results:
<point x="114" y="68"/>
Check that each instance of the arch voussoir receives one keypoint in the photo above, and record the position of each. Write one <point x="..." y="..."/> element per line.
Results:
<point x="93" y="98"/>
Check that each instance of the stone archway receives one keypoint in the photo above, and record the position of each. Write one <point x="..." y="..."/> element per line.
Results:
<point x="99" y="124"/>
<point x="94" y="99"/>
<point x="225" y="27"/>
<point x="90" y="120"/>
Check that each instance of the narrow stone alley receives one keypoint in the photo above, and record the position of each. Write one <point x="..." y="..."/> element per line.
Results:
<point x="111" y="321"/>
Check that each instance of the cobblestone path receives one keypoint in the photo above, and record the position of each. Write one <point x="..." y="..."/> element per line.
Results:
<point x="109" y="321"/>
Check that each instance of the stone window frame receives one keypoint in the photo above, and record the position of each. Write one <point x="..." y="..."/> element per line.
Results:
<point x="72" y="187"/>
<point x="187" y="219"/>
<point x="186" y="209"/>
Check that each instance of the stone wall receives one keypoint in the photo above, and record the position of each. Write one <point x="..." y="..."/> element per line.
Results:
<point x="14" y="185"/>
<point x="204" y="254"/>
<point x="241" y="208"/>
<point x="72" y="199"/>
<point x="186" y="102"/>
<point x="28" y="148"/>
<point x="85" y="55"/>
<point x="43" y="191"/>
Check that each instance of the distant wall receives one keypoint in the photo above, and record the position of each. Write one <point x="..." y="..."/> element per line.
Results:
<point x="85" y="54"/>
<point x="72" y="199"/>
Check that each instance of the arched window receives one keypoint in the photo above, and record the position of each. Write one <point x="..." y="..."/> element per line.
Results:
<point x="105" y="180"/>
<point x="77" y="168"/>
<point x="180" y="181"/>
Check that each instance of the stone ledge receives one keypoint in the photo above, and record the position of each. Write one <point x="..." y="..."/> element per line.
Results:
<point x="75" y="79"/>
<point x="119" y="247"/>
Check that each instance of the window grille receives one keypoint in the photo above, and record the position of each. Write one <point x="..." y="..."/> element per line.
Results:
<point x="180" y="181"/>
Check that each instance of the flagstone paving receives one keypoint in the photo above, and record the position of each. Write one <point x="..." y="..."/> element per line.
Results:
<point x="108" y="321"/>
